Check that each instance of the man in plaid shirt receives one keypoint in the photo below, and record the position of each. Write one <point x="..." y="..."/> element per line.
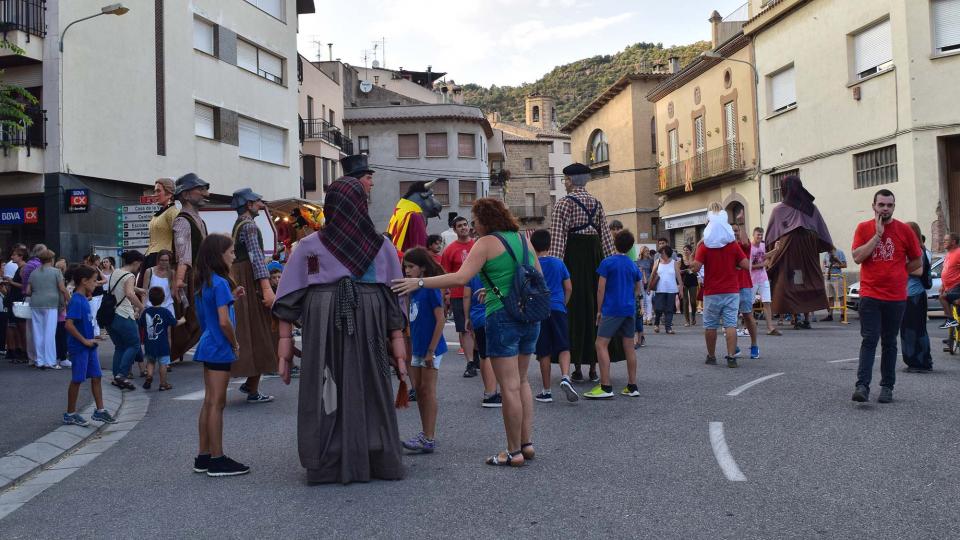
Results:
<point x="579" y="235"/>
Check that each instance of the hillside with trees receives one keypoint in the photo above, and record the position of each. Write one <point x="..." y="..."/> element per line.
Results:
<point x="576" y="84"/>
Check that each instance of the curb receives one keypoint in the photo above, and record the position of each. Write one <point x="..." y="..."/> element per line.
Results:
<point x="20" y="464"/>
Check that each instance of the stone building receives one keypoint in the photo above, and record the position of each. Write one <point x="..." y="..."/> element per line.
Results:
<point x="527" y="191"/>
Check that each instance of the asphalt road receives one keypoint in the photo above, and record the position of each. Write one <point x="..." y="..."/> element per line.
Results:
<point x="815" y="464"/>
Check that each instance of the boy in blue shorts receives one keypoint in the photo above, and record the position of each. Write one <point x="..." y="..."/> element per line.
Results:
<point x="157" y="322"/>
<point x="617" y="291"/>
<point x="83" y="348"/>
<point x="554" y="340"/>
<point x="473" y="304"/>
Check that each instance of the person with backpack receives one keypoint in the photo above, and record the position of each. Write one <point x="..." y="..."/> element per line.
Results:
<point x="119" y="311"/>
<point x="505" y="260"/>
<point x="580" y="237"/>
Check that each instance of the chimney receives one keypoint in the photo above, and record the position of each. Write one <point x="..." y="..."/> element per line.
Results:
<point x="330" y="50"/>
<point x="674" y="64"/>
<point x="715" y="20"/>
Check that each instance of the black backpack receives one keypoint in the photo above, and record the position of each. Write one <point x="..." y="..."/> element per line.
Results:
<point x="529" y="298"/>
<point x="926" y="279"/>
<point x="108" y="306"/>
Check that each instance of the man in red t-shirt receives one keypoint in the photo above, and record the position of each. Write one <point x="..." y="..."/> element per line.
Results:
<point x="721" y="295"/>
<point x="451" y="261"/>
<point x="886" y="250"/>
<point x="950" y="279"/>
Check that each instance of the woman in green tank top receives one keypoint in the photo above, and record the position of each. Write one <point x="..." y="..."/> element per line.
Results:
<point x="510" y="343"/>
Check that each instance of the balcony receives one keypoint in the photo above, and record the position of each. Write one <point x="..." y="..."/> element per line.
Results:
<point x="22" y="146"/>
<point x="22" y="22"/>
<point x="321" y="130"/>
<point x="716" y="164"/>
<point x="529" y="212"/>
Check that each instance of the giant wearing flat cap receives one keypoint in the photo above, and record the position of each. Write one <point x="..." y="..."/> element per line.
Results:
<point x="188" y="231"/>
<point x="579" y="235"/>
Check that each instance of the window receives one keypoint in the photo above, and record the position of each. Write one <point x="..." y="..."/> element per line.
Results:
<point x="946" y="25"/>
<point x="553" y="179"/>
<point x="653" y="135"/>
<point x="468" y="192"/>
<point x="599" y="149"/>
<point x="775" y="194"/>
<point x="325" y="172"/>
<point x="550" y="148"/>
<point x="333" y="118"/>
<point x="783" y="91"/>
<point x="674" y="146"/>
<point x="553" y="115"/>
<point x="203" y="124"/>
<point x="408" y="146"/>
<point x="872" y="50"/>
<point x="436" y="145"/>
<point x="203" y="34"/>
<point x="261" y="141"/>
<point x="466" y="145"/>
<point x="273" y="7"/>
<point x="566" y="148"/>
<point x="255" y="60"/>
<point x="700" y="136"/>
<point x="310" y="173"/>
<point x="310" y="108"/>
<point x="363" y="144"/>
<point x="730" y="132"/>
<point x="528" y="164"/>
<point x="536" y="113"/>
<point x="876" y="167"/>
<point x="530" y="202"/>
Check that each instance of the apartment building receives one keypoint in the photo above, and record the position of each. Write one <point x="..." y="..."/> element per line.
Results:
<point x="615" y="135"/>
<point x="410" y="143"/>
<point x="165" y="88"/>
<point x="707" y="137"/>
<point x="869" y="103"/>
<point x="323" y="141"/>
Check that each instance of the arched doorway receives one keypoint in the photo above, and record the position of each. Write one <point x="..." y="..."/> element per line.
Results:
<point x="736" y="213"/>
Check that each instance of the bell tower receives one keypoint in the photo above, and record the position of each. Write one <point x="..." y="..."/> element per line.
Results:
<point x="541" y="111"/>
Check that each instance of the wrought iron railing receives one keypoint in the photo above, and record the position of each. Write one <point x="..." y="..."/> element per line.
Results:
<point x="26" y="15"/>
<point x="528" y="212"/>
<point x="318" y="129"/>
<point x="712" y="163"/>
<point x="32" y="136"/>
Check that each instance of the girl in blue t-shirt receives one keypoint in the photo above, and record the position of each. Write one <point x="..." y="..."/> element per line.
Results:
<point x="427" y="345"/>
<point x="217" y="349"/>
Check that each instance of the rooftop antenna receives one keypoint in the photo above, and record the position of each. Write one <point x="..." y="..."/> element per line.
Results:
<point x="376" y="63"/>
<point x="316" y="41"/>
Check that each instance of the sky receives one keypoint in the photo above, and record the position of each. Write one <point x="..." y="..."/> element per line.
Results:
<point x="502" y="42"/>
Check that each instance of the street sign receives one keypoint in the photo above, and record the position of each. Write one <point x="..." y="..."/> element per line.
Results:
<point x="144" y="216"/>
<point x="77" y="200"/>
<point x="133" y="225"/>
<point x="135" y="208"/>
<point x="134" y="242"/>
<point x="136" y="234"/>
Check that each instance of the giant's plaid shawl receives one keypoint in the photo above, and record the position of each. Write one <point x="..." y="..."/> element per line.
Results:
<point x="349" y="232"/>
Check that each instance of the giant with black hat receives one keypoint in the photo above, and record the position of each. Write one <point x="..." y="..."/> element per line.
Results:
<point x="355" y="166"/>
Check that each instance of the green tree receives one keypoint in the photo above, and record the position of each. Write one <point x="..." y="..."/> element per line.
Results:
<point x="14" y="101"/>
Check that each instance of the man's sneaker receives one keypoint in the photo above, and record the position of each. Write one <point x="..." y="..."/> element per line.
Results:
<point x="295" y="372"/>
<point x="736" y="353"/>
<point x="754" y="352"/>
<point x="742" y="332"/>
<point x="66" y="363"/>
<point x="259" y="398"/>
<point x="594" y="377"/>
<point x="577" y="376"/>
<point x="861" y="394"/>
<point x="731" y="362"/>
<point x="886" y="395"/>
<point x="244" y="389"/>
<point x="201" y="463"/>
<point x="598" y="393"/>
<point x="492" y="402"/>
<point x="711" y="361"/>
<point x="544" y="397"/>
<point x="224" y="466"/>
<point x="568" y="390"/>
<point x="630" y="390"/>
<point x="412" y="395"/>
<point x="74" y="419"/>
<point x="471" y="370"/>
<point x="103" y="416"/>
<point x="952" y="323"/>
<point x="420" y="443"/>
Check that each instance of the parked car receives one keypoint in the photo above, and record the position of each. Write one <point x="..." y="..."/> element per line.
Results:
<point x="933" y="293"/>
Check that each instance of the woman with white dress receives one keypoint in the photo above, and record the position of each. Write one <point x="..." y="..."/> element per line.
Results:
<point x="160" y="275"/>
<point x="666" y="272"/>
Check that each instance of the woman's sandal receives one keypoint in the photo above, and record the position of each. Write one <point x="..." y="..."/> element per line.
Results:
<point x="527" y="450"/>
<point x="165" y="386"/>
<point x="513" y="459"/>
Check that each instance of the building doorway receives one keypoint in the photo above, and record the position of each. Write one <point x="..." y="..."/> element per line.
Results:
<point x="736" y="214"/>
<point x="951" y="173"/>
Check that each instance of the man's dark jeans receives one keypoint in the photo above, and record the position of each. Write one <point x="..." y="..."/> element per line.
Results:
<point x="879" y="321"/>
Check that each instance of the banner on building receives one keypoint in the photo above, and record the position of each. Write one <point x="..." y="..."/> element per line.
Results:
<point x="19" y="216"/>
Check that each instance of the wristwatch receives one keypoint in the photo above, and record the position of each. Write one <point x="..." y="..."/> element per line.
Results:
<point x="420" y="283"/>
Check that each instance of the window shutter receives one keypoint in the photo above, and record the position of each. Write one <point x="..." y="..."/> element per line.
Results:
<point x="436" y="144"/>
<point x="872" y="47"/>
<point x="701" y="136"/>
<point x="783" y="90"/>
<point x="270" y="66"/>
<point x="674" y="146"/>
<point x="246" y="56"/>
<point x="466" y="145"/>
<point x="408" y="146"/>
<point x="309" y="173"/>
<point x="249" y="138"/>
<point x="203" y="121"/>
<point x="29" y="76"/>
<point x="946" y="25"/>
<point x="203" y="36"/>
<point x="441" y="192"/>
<point x="730" y="118"/>
<point x="271" y="144"/>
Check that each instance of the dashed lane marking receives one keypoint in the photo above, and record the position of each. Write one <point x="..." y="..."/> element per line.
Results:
<point x="741" y="389"/>
<point x="722" y="453"/>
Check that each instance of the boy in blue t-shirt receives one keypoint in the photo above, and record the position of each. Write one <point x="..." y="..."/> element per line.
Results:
<point x="474" y="295"/>
<point x="83" y="348"/>
<point x="554" y="340"/>
<point x="157" y="322"/>
<point x="617" y="291"/>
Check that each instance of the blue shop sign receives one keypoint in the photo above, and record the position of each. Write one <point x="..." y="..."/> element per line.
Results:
<point x="19" y="216"/>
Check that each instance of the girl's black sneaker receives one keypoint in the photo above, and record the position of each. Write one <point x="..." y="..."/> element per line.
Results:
<point x="201" y="463"/>
<point x="224" y="466"/>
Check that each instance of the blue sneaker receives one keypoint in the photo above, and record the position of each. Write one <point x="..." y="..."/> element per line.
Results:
<point x="103" y="416"/>
<point x="737" y="354"/>
<point x="420" y="443"/>
<point x="754" y="351"/>
<point x="74" y="419"/>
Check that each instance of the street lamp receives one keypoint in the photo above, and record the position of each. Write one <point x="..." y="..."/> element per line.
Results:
<point x="111" y="9"/>
<point x="756" y="113"/>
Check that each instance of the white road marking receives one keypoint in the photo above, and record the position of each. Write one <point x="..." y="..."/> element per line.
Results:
<point x="722" y="453"/>
<point x="854" y="359"/>
<point x="740" y="389"/>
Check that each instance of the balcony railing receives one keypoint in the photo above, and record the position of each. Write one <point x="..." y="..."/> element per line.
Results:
<point x="317" y="129"/>
<point x="26" y="15"/>
<point x="529" y="212"/>
<point x="33" y="136"/>
<point x="719" y="161"/>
